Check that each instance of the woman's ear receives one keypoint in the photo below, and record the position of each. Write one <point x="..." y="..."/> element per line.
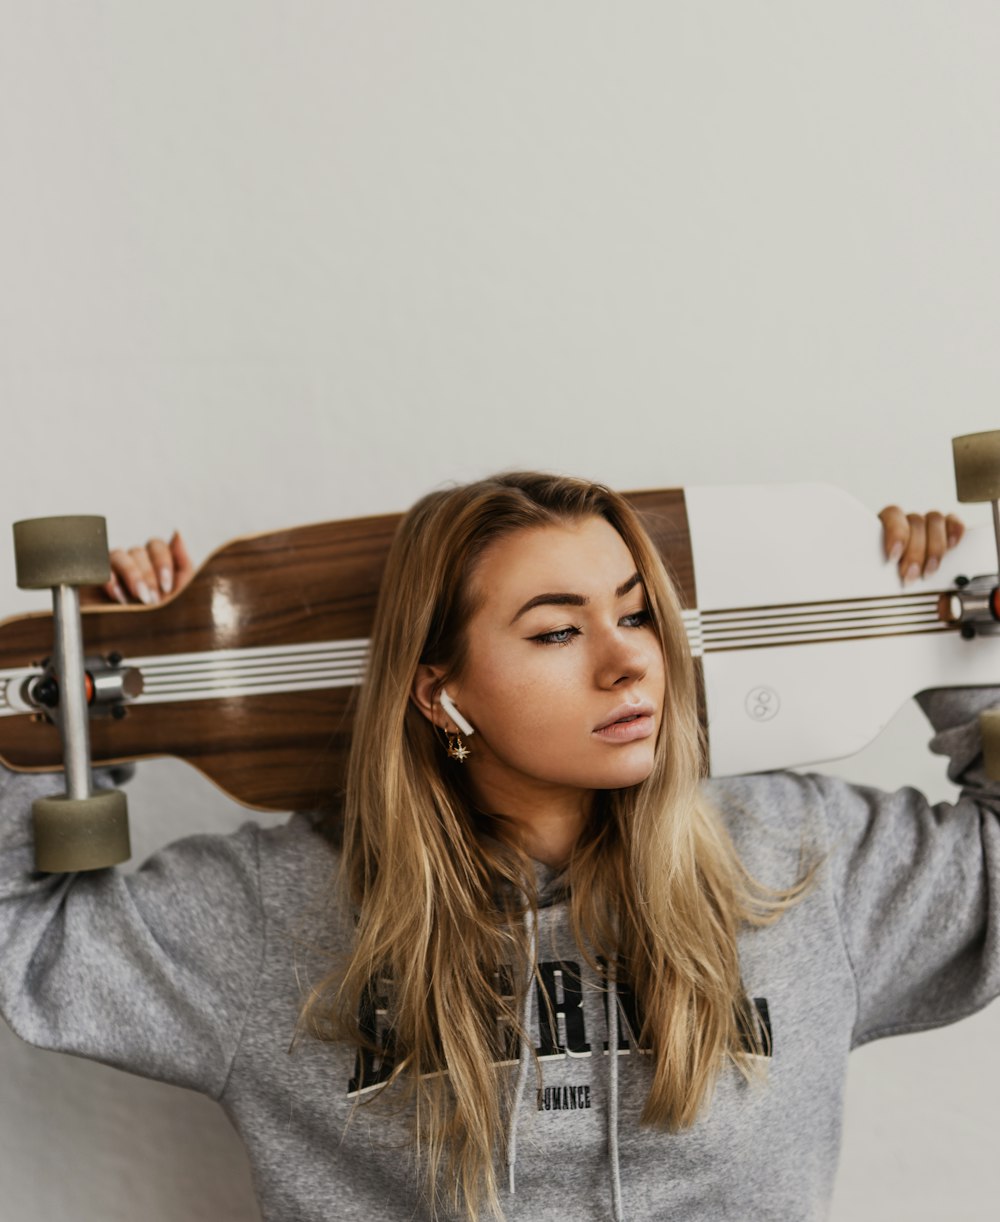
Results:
<point x="426" y="684"/>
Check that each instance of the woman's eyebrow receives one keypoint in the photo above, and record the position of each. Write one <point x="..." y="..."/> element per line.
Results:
<point x="573" y="600"/>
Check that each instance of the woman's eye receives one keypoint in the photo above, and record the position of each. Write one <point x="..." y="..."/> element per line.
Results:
<point x="641" y="617"/>
<point x="565" y="636"/>
<point x="558" y="637"/>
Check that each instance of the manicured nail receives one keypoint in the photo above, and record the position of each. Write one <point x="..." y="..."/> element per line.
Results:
<point x="145" y="593"/>
<point x="166" y="580"/>
<point x="897" y="551"/>
<point x="931" y="566"/>
<point x="912" y="573"/>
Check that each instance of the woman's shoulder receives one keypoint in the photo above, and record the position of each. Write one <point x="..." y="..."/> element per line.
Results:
<point x="770" y="816"/>
<point x="302" y="846"/>
<point x="779" y="799"/>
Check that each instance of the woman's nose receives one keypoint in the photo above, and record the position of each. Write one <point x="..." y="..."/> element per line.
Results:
<point x="623" y="656"/>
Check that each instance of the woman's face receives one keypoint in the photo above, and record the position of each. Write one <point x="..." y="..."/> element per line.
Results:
<point x="560" y="646"/>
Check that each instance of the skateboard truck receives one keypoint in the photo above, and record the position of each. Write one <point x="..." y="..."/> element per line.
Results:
<point x="82" y="829"/>
<point x="975" y="605"/>
<point x="109" y="687"/>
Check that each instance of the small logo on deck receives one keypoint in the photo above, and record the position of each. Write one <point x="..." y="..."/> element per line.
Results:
<point x="762" y="703"/>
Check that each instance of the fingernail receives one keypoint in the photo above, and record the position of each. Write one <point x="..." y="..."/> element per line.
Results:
<point x="145" y="593"/>
<point x="912" y="573"/>
<point x="897" y="551"/>
<point x="166" y="580"/>
<point x="931" y="566"/>
<point x="952" y="540"/>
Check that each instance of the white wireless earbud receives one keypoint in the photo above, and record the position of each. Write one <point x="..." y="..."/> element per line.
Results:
<point x="454" y="714"/>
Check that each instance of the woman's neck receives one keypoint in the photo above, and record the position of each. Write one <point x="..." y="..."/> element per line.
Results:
<point x="545" y="824"/>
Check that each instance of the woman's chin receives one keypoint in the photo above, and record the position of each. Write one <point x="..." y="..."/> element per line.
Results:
<point x="624" y="774"/>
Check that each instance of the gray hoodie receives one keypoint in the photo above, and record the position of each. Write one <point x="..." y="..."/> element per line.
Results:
<point x="185" y="971"/>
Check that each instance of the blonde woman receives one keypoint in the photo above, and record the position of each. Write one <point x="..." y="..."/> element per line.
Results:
<point x="540" y="967"/>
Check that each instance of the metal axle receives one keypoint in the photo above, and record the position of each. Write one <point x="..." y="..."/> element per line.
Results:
<point x="72" y="715"/>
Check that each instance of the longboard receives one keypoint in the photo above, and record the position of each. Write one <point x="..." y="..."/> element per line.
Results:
<point x="804" y="641"/>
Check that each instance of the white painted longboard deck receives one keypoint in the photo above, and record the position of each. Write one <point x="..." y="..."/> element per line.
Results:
<point x="800" y="550"/>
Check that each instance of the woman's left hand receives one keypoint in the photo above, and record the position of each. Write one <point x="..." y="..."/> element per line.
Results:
<point x="918" y="541"/>
<point x="143" y="574"/>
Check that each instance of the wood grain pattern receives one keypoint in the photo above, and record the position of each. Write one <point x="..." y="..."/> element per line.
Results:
<point x="280" y="751"/>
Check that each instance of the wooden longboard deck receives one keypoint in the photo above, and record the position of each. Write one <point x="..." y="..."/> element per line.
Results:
<point x="804" y="640"/>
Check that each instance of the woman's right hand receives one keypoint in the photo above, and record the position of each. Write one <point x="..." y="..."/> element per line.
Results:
<point x="917" y="541"/>
<point x="143" y="574"/>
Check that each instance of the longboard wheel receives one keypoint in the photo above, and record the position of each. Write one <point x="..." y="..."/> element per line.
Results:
<point x="977" y="466"/>
<point x="66" y="551"/>
<point x="81" y="833"/>
<point x="989" y="727"/>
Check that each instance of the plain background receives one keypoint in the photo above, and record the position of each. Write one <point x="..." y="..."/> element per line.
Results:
<point x="264" y="264"/>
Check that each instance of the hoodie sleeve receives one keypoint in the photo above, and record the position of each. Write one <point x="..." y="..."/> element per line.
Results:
<point x="917" y="886"/>
<point x="151" y="972"/>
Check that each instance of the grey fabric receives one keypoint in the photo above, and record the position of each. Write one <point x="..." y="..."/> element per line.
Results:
<point x="190" y="970"/>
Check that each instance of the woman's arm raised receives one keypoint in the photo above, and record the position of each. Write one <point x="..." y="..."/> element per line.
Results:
<point x="916" y="884"/>
<point x="150" y="972"/>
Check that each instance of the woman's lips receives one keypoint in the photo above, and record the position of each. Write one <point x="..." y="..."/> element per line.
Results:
<point x="631" y="708"/>
<point x="626" y="731"/>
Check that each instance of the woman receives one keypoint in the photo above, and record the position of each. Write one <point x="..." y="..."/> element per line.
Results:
<point x="555" y="973"/>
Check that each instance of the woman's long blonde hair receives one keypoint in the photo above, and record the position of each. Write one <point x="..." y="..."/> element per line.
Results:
<point x="655" y="882"/>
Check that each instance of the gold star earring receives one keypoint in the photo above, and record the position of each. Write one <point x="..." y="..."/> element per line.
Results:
<point x="457" y="750"/>
<point x="455" y="745"/>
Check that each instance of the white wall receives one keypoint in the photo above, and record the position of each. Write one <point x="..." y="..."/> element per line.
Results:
<point x="272" y="263"/>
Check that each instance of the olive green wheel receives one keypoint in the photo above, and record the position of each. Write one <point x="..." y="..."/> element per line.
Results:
<point x="989" y="726"/>
<point x="67" y="551"/>
<point x="977" y="466"/>
<point x="81" y="833"/>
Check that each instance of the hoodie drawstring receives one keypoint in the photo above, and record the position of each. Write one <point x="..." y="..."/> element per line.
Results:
<point x="616" y="1180"/>
<point x="522" y="1070"/>
<point x="522" y="1074"/>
